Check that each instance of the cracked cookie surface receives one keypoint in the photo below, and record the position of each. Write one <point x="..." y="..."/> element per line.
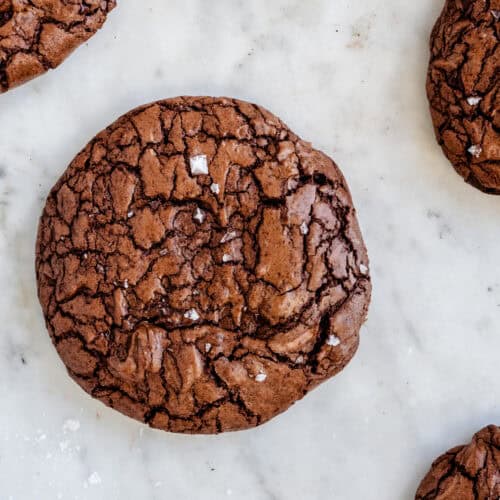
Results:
<point x="463" y="87"/>
<point x="200" y="267"/>
<point x="469" y="472"/>
<point x="37" y="35"/>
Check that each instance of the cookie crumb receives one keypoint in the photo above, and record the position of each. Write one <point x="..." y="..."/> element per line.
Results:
<point x="94" y="479"/>
<point x="199" y="165"/>
<point x="333" y="341"/>
<point x="71" y="425"/>
<point x="40" y="438"/>
<point x="192" y="314"/>
<point x="63" y="446"/>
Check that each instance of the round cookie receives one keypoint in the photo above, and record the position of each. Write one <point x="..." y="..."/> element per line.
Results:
<point x="200" y="267"/>
<point x="470" y="472"/>
<point x="37" y="35"/>
<point x="463" y="87"/>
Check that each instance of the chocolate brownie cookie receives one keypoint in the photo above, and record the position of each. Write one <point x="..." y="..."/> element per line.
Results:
<point x="200" y="267"/>
<point x="463" y="86"/>
<point x="37" y="35"/>
<point x="469" y="472"/>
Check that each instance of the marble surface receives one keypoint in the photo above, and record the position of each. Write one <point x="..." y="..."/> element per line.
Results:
<point x="349" y="76"/>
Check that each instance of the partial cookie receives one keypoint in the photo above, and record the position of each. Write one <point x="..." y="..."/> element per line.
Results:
<point x="469" y="472"/>
<point x="37" y="35"/>
<point x="463" y="87"/>
<point x="200" y="267"/>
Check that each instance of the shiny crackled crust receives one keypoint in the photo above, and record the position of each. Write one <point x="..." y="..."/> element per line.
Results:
<point x="37" y="35"/>
<point x="202" y="303"/>
<point x="469" y="472"/>
<point x="463" y="87"/>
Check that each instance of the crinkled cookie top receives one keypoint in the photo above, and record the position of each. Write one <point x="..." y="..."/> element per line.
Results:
<point x="37" y="35"/>
<point x="464" y="89"/>
<point x="469" y="472"/>
<point x="200" y="267"/>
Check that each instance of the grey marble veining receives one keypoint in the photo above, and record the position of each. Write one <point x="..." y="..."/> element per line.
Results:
<point x="349" y="76"/>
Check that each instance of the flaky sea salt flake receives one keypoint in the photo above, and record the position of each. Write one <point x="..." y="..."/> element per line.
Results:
<point x="228" y="237"/>
<point x="192" y="314"/>
<point x="199" y="215"/>
<point x="475" y="150"/>
<point x="333" y="341"/>
<point x="474" y="101"/>
<point x="199" y="165"/>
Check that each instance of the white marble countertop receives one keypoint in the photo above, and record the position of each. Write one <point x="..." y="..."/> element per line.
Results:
<point x="347" y="75"/>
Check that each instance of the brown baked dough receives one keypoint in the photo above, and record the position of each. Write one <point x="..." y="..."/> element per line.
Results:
<point x="37" y="35"/>
<point x="469" y="472"/>
<point x="200" y="267"/>
<point x="463" y="86"/>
